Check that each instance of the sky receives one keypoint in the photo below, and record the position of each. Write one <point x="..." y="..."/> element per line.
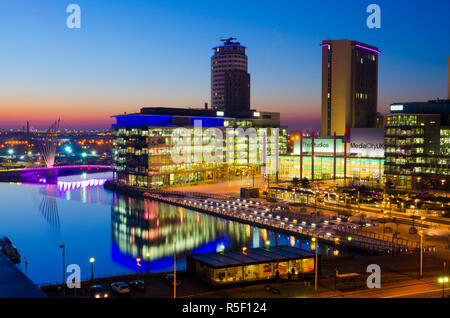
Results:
<point x="134" y="53"/>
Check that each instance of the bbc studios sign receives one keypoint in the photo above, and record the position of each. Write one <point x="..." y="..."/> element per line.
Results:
<point x="363" y="142"/>
<point x="321" y="145"/>
<point x="367" y="142"/>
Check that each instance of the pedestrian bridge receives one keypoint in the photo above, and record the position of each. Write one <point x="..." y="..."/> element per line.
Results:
<point x="48" y="175"/>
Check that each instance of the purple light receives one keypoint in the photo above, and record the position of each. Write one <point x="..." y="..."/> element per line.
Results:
<point x="71" y="185"/>
<point x="367" y="48"/>
<point x="69" y="167"/>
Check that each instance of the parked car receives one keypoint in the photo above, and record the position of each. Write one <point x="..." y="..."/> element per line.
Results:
<point x="97" y="291"/>
<point x="138" y="285"/>
<point x="120" y="288"/>
<point x="170" y="280"/>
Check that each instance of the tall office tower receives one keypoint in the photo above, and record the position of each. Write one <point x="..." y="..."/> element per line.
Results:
<point x="349" y="86"/>
<point x="236" y="91"/>
<point x="230" y="81"/>
<point x="448" y="78"/>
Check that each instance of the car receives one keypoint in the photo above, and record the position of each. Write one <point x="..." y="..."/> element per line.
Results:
<point x="138" y="285"/>
<point x="170" y="280"/>
<point x="120" y="288"/>
<point x="97" y="291"/>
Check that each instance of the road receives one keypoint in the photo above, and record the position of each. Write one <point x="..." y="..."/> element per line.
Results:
<point x="425" y="288"/>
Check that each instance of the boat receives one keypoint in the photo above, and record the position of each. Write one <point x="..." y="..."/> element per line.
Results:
<point x="8" y="248"/>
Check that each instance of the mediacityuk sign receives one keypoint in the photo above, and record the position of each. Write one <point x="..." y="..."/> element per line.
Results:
<point x="367" y="142"/>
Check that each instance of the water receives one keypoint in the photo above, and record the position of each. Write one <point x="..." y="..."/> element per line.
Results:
<point x="112" y="228"/>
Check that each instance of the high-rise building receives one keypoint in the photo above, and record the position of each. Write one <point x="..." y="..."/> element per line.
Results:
<point x="349" y="86"/>
<point x="448" y="78"/>
<point x="237" y="91"/>
<point x="230" y="81"/>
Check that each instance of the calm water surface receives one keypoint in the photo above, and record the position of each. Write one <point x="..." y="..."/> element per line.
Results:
<point x="113" y="228"/>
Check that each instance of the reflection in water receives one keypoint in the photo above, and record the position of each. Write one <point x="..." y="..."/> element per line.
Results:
<point x="141" y="226"/>
<point x="49" y="210"/>
<point x="86" y="191"/>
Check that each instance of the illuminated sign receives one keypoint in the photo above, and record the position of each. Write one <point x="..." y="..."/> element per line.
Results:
<point x="367" y="142"/>
<point x="396" y="107"/>
<point x="220" y="113"/>
<point x="256" y="114"/>
<point x="321" y="145"/>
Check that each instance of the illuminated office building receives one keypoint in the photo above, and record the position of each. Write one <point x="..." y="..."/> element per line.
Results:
<point x="417" y="139"/>
<point x="349" y="86"/>
<point x="144" y="144"/>
<point x="356" y="157"/>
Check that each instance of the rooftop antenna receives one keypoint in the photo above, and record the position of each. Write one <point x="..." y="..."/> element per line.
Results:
<point x="229" y="41"/>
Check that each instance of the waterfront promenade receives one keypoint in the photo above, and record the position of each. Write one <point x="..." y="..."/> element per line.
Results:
<point x="273" y="217"/>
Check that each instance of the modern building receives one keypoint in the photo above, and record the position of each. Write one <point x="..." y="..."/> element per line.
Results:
<point x="231" y="267"/>
<point x="230" y="81"/>
<point x="349" y="86"/>
<point x="417" y="145"/>
<point x="448" y="77"/>
<point x="358" y="156"/>
<point x="162" y="147"/>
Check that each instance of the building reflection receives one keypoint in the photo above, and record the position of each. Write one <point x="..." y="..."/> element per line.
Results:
<point x="141" y="227"/>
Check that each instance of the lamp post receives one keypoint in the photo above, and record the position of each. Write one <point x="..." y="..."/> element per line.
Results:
<point x="443" y="281"/>
<point x="92" y="260"/>
<point x="267" y="245"/>
<point x="244" y="249"/>
<point x="148" y="261"/>
<point x="421" y="253"/>
<point x="316" y="247"/>
<point x="63" y="246"/>
<point x="138" y="261"/>
<point x="174" y="269"/>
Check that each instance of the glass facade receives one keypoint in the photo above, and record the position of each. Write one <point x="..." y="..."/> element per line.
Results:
<point x="369" y="169"/>
<point x="143" y="155"/>
<point x="417" y="151"/>
<point x="224" y="268"/>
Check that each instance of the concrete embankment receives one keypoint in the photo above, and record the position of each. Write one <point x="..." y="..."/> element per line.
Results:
<point x="14" y="284"/>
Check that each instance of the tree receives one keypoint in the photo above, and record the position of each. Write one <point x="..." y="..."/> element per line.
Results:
<point x="295" y="181"/>
<point x="305" y="182"/>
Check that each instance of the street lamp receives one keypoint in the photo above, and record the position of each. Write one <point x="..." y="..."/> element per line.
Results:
<point x="316" y="247"/>
<point x="336" y="242"/>
<point x="148" y="261"/>
<point x="421" y="253"/>
<point x="92" y="260"/>
<point x="244" y="249"/>
<point x="138" y="261"/>
<point x="443" y="281"/>
<point x="63" y="246"/>
<point x="267" y="244"/>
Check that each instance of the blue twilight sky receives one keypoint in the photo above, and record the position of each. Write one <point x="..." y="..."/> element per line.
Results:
<point x="134" y="53"/>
